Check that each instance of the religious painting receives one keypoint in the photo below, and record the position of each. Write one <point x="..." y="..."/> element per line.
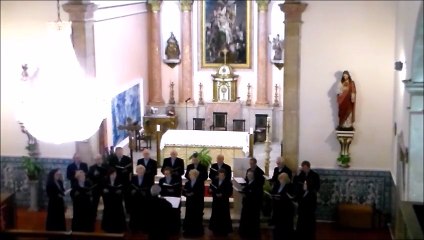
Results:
<point x="125" y="104"/>
<point x="226" y="25"/>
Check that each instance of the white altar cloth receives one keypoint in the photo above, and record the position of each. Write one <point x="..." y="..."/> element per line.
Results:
<point x="226" y="139"/>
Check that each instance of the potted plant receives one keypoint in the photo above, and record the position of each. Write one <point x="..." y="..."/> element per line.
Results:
<point x="343" y="161"/>
<point x="204" y="157"/>
<point x="32" y="168"/>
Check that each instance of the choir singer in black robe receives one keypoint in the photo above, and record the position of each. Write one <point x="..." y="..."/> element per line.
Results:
<point x="251" y="207"/>
<point x="283" y="208"/>
<point x="222" y="189"/>
<point x="194" y="191"/>
<point x="257" y="171"/>
<point x="305" y="228"/>
<point x="174" y="162"/>
<point x="75" y="166"/>
<point x="281" y="167"/>
<point x="140" y="192"/>
<point x="213" y="172"/>
<point x="113" y="213"/>
<point x="159" y="224"/>
<point x="124" y="169"/>
<point x="150" y="165"/>
<point x="305" y="173"/>
<point x="82" y="201"/>
<point x="97" y="175"/>
<point x="171" y="187"/>
<point x="56" y="206"/>
<point x="203" y="171"/>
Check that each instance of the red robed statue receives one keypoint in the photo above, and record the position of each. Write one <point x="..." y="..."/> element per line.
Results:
<point x="346" y="98"/>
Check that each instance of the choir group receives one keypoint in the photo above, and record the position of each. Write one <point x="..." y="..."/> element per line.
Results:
<point x="150" y="211"/>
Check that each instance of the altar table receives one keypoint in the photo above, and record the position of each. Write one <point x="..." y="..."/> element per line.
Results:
<point x="185" y="142"/>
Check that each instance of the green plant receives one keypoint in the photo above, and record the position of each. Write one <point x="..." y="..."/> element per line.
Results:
<point x="204" y="157"/>
<point x="344" y="159"/>
<point x="32" y="168"/>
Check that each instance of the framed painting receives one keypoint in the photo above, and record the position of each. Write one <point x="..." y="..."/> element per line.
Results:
<point x="125" y="104"/>
<point x="225" y="24"/>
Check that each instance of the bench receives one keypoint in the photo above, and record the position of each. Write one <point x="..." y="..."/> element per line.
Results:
<point x="355" y="215"/>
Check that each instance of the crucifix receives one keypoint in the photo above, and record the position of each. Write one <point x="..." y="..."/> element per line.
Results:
<point x="132" y="128"/>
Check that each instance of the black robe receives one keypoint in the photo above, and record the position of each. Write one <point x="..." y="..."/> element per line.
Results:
<point x="193" y="221"/>
<point x="203" y="172"/>
<point x="83" y="219"/>
<point x="97" y="175"/>
<point x="124" y="168"/>
<point x="277" y="172"/>
<point x="213" y="172"/>
<point x="251" y="210"/>
<point x="113" y="213"/>
<point x="72" y="168"/>
<point x="151" y="168"/>
<point x="159" y="225"/>
<point x="177" y="168"/>
<point x="56" y="207"/>
<point x="172" y="189"/>
<point x="220" y="222"/>
<point x="259" y="175"/>
<point x="283" y="212"/>
<point x="312" y="179"/>
<point x="140" y="194"/>
<point x="305" y="228"/>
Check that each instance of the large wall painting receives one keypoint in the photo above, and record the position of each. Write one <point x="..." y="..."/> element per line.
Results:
<point x="225" y="25"/>
<point x="125" y="104"/>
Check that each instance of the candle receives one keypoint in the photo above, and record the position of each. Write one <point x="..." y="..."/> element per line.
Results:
<point x="268" y="121"/>
<point x="251" y="130"/>
<point x="158" y="128"/>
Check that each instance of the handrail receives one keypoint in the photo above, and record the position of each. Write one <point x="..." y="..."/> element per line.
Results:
<point x="59" y="234"/>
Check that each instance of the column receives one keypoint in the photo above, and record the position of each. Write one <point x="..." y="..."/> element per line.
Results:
<point x="81" y="15"/>
<point x="186" y="81"/>
<point x="262" y="85"/>
<point x="293" y="14"/>
<point x="155" y="62"/>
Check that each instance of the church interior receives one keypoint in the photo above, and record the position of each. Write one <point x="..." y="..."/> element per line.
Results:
<point x="336" y="83"/>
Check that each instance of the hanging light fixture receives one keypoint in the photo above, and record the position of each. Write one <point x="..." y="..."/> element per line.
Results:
<point x="58" y="102"/>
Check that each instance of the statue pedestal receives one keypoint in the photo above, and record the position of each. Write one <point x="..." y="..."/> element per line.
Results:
<point x="345" y="139"/>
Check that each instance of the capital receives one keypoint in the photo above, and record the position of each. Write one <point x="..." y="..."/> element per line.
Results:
<point x="154" y="5"/>
<point x="293" y="10"/>
<point x="79" y="11"/>
<point x="185" y="5"/>
<point x="263" y="5"/>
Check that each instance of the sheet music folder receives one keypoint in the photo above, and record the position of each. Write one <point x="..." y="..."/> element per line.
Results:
<point x="175" y="201"/>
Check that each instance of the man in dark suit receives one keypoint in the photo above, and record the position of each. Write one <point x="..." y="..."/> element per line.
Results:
<point x="150" y="165"/>
<point x="75" y="166"/>
<point x="123" y="165"/>
<point x="203" y="171"/>
<point x="213" y="172"/>
<point x="257" y="171"/>
<point x="281" y="167"/>
<point x="306" y="174"/>
<point x="175" y="163"/>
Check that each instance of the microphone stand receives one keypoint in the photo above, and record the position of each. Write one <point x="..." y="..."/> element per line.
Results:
<point x="186" y="115"/>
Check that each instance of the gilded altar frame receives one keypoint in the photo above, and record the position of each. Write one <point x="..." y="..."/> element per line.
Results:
<point x="213" y="40"/>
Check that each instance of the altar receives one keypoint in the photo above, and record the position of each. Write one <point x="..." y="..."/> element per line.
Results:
<point x="185" y="142"/>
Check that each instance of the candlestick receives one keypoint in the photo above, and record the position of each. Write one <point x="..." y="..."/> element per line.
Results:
<point x="171" y="95"/>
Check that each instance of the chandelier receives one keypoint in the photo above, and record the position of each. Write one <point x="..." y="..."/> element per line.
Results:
<point x="57" y="101"/>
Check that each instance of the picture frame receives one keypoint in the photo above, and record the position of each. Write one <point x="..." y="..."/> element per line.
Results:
<point x="226" y="25"/>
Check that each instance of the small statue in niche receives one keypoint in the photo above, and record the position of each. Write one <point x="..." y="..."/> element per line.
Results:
<point x="277" y="46"/>
<point x="172" y="50"/>
<point x="346" y="99"/>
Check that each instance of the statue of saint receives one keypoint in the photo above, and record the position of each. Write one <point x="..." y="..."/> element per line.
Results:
<point x="277" y="46"/>
<point x="346" y="98"/>
<point x="172" y="50"/>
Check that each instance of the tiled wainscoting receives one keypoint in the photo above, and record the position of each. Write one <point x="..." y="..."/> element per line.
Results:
<point x="337" y="186"/>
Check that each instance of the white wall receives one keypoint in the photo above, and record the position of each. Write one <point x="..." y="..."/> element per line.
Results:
<point x="359" y="37"/>
<point x="407" y="14"/>
<point x="121" y="58"/>
<point x="23" y="25"/>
